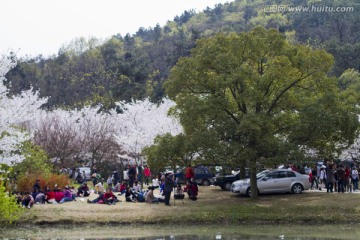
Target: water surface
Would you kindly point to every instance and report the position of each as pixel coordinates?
(183, 232)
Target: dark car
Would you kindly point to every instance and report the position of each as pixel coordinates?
(225, 181)
(202, 175)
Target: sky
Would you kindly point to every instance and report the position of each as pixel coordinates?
(33, 27)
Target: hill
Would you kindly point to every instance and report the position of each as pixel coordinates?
(136, 66)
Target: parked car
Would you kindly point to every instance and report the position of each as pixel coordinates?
(274, 181)
(81, 169)
(202, 175)
(225, 181)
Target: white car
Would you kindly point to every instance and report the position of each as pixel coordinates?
(274, 181)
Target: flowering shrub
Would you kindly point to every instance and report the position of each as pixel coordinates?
(27, 182)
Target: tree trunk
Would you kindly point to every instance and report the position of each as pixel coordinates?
(242, 170)
(253, 182)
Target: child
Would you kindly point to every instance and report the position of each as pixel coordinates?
(179, 193)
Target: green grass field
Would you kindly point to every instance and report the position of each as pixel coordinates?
(213, 206)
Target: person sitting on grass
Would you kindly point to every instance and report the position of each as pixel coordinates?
(105, 198)
(109, 197)
(137, 187)
(50, 196)
(83, 191)
(123, 188)
(40, 198)
(27, 200)
(130, 195)
(116, 188)
(192, 190)
(179, 193)
(18, 196)
(68, 197)
(35, 193)
(150, 198)
(99, 187)
(59, 195)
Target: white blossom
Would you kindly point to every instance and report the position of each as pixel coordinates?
(14, 112)
(142, 121)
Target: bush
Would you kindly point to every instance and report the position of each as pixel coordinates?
(9, 209)
(26, 183)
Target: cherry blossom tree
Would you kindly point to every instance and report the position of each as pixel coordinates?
(84, 136)
(14, 112)
(141, 122)
(353, 152)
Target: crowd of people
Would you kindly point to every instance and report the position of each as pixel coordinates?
(334, 178)
(130, 187)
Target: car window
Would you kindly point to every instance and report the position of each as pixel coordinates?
(281, 174)
(272, 175)
(262, 174)
(198, 171)
(291, 174)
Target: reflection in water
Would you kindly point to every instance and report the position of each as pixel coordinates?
(183, 232)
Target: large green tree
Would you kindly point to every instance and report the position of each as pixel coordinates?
(268, 98)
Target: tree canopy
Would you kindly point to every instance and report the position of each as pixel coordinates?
(260, 94)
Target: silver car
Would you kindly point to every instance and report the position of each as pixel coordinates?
(274, 181)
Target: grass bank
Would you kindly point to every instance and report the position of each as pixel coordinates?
(214, 206)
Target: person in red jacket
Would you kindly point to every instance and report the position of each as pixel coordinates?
(192, 190)
(59, 195)
(189, 173)
(147, 174)
(109, 197)
(50, 196)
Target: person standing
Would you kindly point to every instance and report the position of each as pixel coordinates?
(330, 178)
(147, 174)
(168, 187)
(355, 178)
(139, 171)
(132, 175)
(347, 182)
(36, 185)
(93, 175)
(115, 177)
(189, 173)
(314, 178)
(341, 179)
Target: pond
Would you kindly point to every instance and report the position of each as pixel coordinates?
(183, 232)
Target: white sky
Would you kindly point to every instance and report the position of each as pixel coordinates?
(32, 27)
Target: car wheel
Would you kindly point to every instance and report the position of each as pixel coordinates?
(297, 188)
(227, 186)
(248, 192)
(205, 182)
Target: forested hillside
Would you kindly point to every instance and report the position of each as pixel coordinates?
(136, 66)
